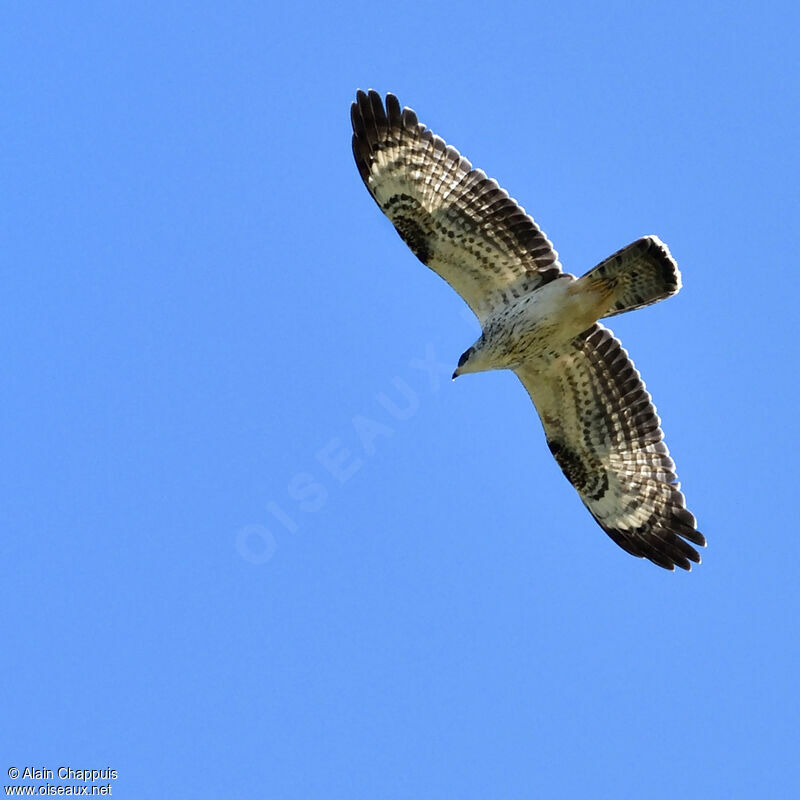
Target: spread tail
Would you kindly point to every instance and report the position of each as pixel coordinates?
(640, 274)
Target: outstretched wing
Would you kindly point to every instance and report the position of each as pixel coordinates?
(457, 221)
(604, 433)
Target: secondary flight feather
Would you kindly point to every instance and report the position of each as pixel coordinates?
(540, 322)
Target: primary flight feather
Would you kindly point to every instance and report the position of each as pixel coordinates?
(541, 323)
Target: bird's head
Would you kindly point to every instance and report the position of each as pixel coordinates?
(473, 359)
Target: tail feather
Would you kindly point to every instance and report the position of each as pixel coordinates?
(640, 274)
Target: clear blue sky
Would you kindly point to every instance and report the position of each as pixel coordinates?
(202, 306)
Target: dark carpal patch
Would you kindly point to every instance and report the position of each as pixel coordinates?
(405, 212)
(570, 463)
(413, 235)
(591, 483)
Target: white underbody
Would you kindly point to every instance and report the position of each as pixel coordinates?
(536, 326)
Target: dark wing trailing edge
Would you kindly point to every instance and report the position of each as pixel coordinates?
(604, 432)
(457, 221)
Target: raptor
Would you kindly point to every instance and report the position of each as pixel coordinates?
(540, 322)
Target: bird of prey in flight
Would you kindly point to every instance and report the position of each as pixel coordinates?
(540, 322)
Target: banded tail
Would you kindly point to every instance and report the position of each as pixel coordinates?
(638, 275)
